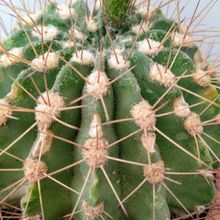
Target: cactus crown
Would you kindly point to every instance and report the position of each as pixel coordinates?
(106, 114)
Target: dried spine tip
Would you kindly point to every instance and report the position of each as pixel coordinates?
(48, 32)
(49, 61)
(200, 60)
(96, 127)
(149, 47)
(64, 11)
(193, 124)
(144, 115)
(182, 40)
(181, 107)
(117, 60)
(162, 75)
(34, 170)
(202, 78)
(92, 212)
(91, 24)
(11, 57)
(13, 94)
(5, 111)
(46, 112)
(95, 152)
(43, 144)
(148, 140)
(84, 57)
(97, 85)
(154, 173)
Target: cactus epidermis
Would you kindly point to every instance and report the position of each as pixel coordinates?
(104, 119)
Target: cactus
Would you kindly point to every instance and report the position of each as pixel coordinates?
(106, 114)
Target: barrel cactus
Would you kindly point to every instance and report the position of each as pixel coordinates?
(106, 114)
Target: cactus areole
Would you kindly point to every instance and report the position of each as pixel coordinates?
(105, 114)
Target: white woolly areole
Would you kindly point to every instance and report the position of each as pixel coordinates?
(49, 61)
(181, 107)
(36, 217)
(12, 57)
(148, 140)
(30, 19)
(49, 32)
(5, 111)
(66, 44)
(45, 112)
(92, 25)
(95, 130)
(98, 84)
(140, 28)
(92, 212)
(95, 152)
(43, 144)
(162, 75)
(84, 57)
(118, 62)
(202, 78)
(154, 172)
(182, 40)
(144, 115)
(143, 10)
(75, 34)
(34, 170)
(193, 124)
(149, 47)
(64, 11)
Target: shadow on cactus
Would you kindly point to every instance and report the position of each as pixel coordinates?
(106, 114)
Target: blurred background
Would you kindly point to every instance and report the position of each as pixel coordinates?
(207, 21)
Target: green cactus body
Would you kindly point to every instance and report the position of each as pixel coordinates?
(109, 114)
